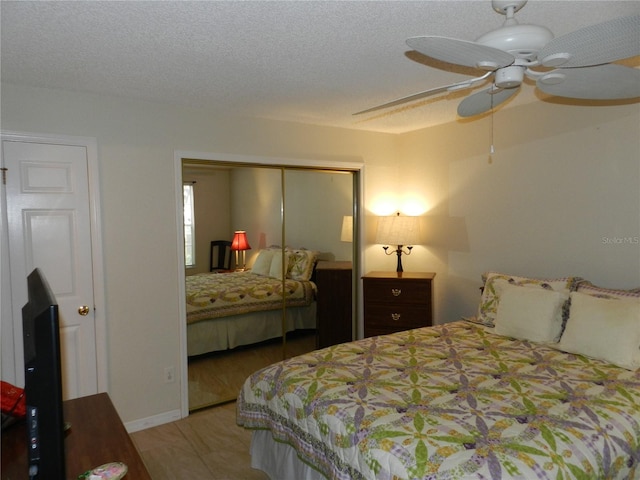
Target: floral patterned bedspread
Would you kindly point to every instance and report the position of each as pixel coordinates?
(452, 401)
(213, 295)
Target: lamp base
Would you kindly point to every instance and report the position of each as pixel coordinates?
(399, 253)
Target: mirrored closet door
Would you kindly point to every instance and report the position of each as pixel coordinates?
(263, 308)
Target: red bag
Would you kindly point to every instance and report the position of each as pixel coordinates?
(13, 401)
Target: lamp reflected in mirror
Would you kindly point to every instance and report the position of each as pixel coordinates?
(240, 244)
(400, 231)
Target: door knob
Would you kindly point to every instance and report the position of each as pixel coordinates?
(83, 310)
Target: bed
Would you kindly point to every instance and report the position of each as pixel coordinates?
(543, 383)
(228, 310)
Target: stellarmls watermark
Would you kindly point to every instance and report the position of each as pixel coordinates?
(621, 240)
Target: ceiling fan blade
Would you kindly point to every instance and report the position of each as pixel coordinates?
(484, 101)
(416, 96)
(461, 52)
(594, 45)
(602, 82)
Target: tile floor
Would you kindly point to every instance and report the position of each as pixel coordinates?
(206, 445)
(218, 377)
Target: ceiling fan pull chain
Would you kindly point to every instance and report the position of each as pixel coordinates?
(492, 149)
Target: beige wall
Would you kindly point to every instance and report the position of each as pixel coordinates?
(563, 181)
(315, 203)
(256, 207)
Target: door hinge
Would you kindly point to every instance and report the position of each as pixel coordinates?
(4, 175)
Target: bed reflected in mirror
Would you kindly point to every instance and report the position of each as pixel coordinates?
(236, 317)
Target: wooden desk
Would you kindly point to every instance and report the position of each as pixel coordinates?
(97, 436)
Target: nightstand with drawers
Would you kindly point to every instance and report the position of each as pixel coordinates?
(396, 301)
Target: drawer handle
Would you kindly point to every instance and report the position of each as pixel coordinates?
(396, 292)
(395, 317)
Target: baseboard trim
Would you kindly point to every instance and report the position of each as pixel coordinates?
(153, 421)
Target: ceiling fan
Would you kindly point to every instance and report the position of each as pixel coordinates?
(575, 65)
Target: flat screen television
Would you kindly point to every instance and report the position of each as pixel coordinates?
(43, 381)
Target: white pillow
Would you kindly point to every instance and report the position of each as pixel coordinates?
(275, 270)
(495, 282)
(262, 265)
(603, 328)
(530, 313)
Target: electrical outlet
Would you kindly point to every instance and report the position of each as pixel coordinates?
(169, 375)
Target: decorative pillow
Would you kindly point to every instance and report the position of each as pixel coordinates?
(275, 270)
(604, 328)
(590, 289)
(530, 313)
(262, 265)
(301, 263)
(495, 282)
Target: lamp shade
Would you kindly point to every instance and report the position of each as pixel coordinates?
(347, 229)
(240, 241)
(397, 230)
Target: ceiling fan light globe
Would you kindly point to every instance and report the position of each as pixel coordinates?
(509, 77)
(521, 41)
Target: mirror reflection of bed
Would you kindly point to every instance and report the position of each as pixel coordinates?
(235, 319)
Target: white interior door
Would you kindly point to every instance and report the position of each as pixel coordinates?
(49, 227)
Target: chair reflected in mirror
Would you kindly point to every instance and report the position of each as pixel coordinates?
(220, 256)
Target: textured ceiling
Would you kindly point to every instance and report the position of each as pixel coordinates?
(304, 61)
